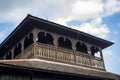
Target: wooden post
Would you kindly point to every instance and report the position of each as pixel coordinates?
(34, 39)
(55, 42)
(12, 51)
(74, 48)
(101, 54)
(89, 52)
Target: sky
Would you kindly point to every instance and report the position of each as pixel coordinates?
(100, 18)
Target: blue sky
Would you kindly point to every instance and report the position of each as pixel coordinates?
(96, 17)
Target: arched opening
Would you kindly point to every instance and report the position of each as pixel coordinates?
(95, 52)
(31, 38)
(68, 43)
(81, 47)
(46, 39)
(9, 55)
(41, 37)
(17, 50)
(61, 42)
(98, 53)
(28, 41)
(49, 39)
(65, 43)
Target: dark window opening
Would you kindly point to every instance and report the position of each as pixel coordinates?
(65, 43)
(28, 41)
(92, 51)
(17, 50)
(46, 39)
(81, 47)
(98, 54)
(49, 39)
(95, 52)
(31, 39)
(9, 55)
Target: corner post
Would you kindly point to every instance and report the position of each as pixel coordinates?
(102, 58)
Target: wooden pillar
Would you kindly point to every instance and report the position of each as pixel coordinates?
(101, 54)
(12, 52)
(55, 42)
(35, 33)
(89, 52)
(88, 49)
(74, 49)
(22, 45)
(4, 57)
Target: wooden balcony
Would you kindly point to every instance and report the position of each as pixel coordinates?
(50, 52)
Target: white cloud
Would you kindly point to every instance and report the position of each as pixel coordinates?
(81, 10)
(95, 27)
(61, 21)
(111, 7)
(69, 10)
(85, 9)
(107, 53)
(63, 11)
(15, 11)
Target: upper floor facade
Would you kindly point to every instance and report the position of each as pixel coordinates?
(36, 38)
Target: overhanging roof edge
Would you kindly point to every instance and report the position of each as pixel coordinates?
(73, 30)
(13, 32)
(57, 25)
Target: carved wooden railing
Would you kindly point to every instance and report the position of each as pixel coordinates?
(46, 51)
(26, 53)
(82, 59)
(97, 62)
(85, 59)
(65, 55)
(49, 51)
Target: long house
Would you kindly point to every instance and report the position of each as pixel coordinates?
(39, 49)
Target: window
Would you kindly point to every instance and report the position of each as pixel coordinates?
(95, 52)
(46, 39)
(28, 41)
(17, 50)
(64, 42)
(81, 47)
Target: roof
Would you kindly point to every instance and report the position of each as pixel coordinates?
(37, 64)
(31, 22)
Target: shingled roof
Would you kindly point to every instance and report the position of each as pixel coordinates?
(31, 22)
(37, 64)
